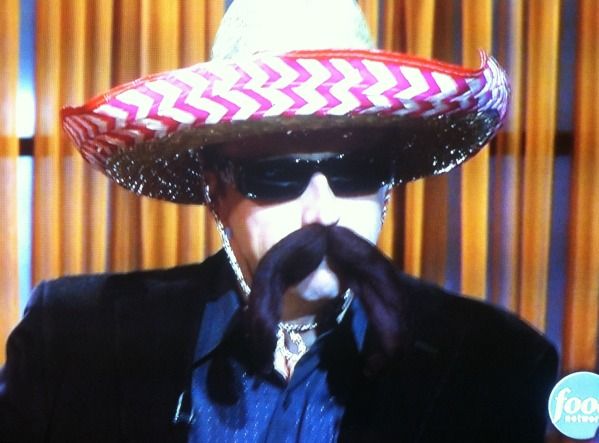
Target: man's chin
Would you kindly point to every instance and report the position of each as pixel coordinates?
(321, 284)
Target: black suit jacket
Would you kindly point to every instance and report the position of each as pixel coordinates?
(104, 359)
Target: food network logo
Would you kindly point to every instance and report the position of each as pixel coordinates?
(574, 405)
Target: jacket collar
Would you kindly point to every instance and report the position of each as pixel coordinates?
(216, 318)
(157, 317)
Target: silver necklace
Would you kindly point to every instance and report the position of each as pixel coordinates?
(294, 331)
(295, 327)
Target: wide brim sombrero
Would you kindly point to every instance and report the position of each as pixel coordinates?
(148, 135)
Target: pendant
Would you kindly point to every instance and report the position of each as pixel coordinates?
(290, 358)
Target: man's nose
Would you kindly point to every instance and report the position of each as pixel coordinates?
(320, 205)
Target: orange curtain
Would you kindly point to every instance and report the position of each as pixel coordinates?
(501, 242)
(508, 261)
(419, 24)
(477, 30)
(81, 222)
(506, 192)
(582, 291)
(540, 128)
(9, 151)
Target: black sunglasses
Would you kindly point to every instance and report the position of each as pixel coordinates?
(286, 178)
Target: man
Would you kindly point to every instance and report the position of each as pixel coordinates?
(300, 329)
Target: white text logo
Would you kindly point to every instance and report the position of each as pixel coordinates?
(574, 405)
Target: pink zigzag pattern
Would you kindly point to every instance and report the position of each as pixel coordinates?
(219, 92)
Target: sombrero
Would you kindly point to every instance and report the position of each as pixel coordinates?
(283, 78)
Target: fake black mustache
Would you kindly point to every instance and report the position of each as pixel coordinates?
(365, 270)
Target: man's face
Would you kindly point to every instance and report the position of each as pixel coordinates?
(255, 225)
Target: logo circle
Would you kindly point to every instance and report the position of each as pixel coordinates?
(574, 405)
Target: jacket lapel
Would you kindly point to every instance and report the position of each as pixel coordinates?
(396, 402)
(157, 316)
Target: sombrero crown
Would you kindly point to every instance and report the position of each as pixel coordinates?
(282, 69)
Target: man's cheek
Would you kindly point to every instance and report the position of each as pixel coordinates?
(363, 221)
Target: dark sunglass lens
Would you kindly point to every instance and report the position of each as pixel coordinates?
(355, 175)
(286, 178)
(271, 179)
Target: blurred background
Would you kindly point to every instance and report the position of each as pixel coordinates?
(517, 226)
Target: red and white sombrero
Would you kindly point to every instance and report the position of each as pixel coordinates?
(148, 134)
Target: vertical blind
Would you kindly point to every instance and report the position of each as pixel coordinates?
(9, 152)
(488, 226)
